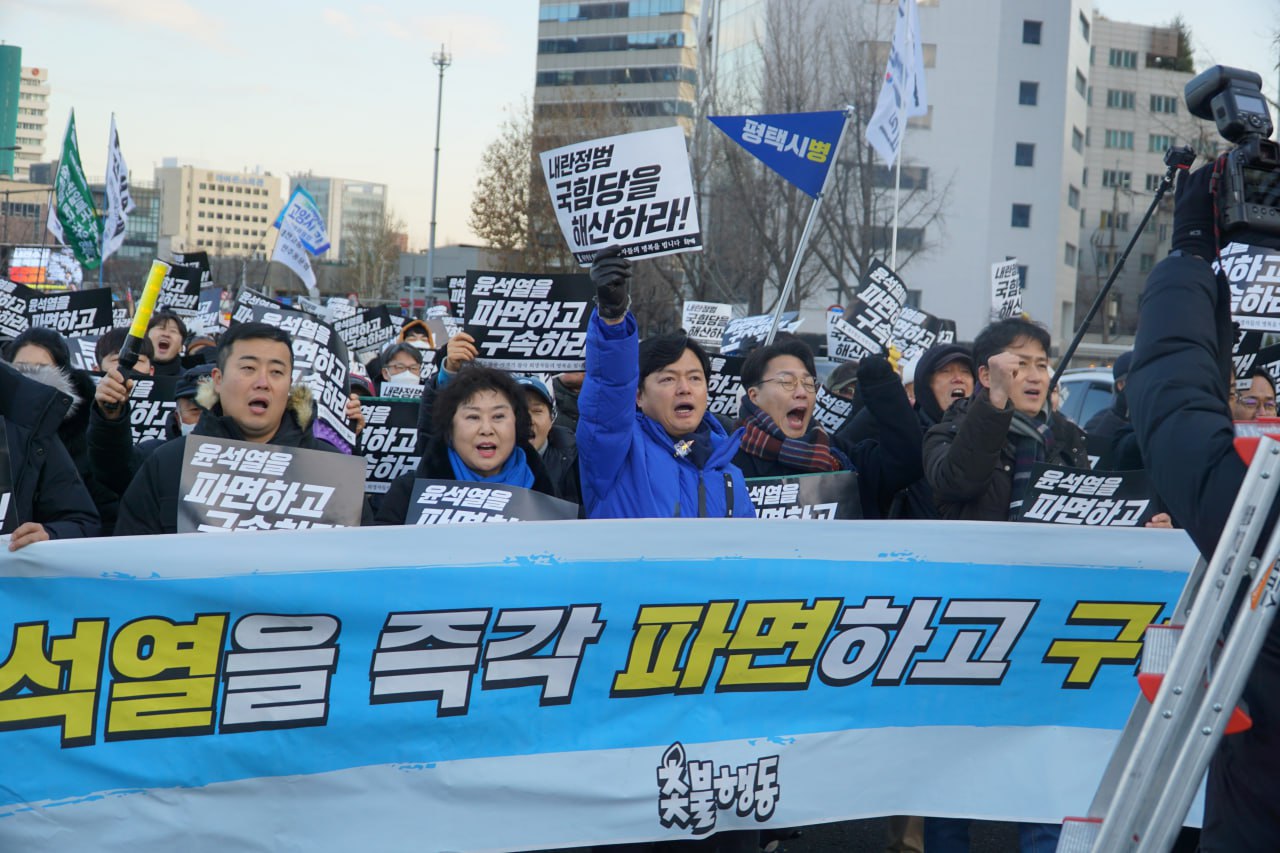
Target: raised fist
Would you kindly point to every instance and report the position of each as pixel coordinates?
(611, 275)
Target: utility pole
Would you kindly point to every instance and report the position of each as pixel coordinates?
(440, 60)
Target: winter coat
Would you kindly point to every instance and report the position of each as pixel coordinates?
(560, 457)
(1102, 431)
(45, 486)
(566, 405)
(150, 504)
(435, 465)
(627, 462)
(969, 458)
(1177, 393)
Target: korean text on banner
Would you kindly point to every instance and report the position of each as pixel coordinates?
(548, 684)
(435, 502)
(1061, 495)
(705, 322)
(529, 323)
(743, 333)
(388, 441)
(903, 93)
(632, 191)
(814, 496)
(798, 146)
(1253, 272)
(73, 219)
(1006, 289)
(119, 202)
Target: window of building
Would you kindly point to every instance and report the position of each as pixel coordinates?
(1031, 32)
(1084, 178)
(1120, 139)
(1069, 255)
(1081, 225)
(1153, 182)
(1021, 217)
(1088, 136)
(1024, 154)
(1084, 26)
(1077, 139)
(1164, 104)
(1120, 99)
(1108, 219)
(1081, 82)
(594, 44)
(1117, 58)
(910, 239)
(1116, 178)
(913, 177)
(1073, 198)
(1028, 93)
(1159, 142)
(1146, 262)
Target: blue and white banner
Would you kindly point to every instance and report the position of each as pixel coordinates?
(798, 146)
(302, 217)
(903, 94)
(545, 685)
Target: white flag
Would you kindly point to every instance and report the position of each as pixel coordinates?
(301, 231)
(119, 203)
(903, 94)
(290, 252)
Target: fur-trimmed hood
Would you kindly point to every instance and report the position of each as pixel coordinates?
(57, 379)
(301, 402)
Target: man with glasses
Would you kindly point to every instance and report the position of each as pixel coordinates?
(1253, 397)
(402, 365)
(780, 438)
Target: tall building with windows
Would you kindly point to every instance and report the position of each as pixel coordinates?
(24, 113)
(632, 60)
(1136, 113)
(224, 213)
(352, 210)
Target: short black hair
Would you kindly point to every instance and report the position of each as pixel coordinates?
(758, 361)
(163, 314)
(395, 349)
(662, 350)
(252, 332)
(49, 340)
(471, 380)
(1259, 371)
(1000, 335)
(113, 341)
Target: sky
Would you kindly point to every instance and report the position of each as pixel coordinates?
(348, 89)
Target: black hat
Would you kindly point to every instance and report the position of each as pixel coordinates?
(1120, 369)
(190, 380)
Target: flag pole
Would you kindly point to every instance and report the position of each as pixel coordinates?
(804, 235)
(897, 190)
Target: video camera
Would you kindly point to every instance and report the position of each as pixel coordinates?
(1248, 190)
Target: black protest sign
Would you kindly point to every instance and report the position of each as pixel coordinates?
(339, 308)
(528, 323)
(393, 391)
(456, 502)
(248, 299)
(231, 485)
(208, 316)
(1253, 273)
(387, 442)
(746, 333)
(151, 401)
(1251, 351)
(82, 312)
(366, 330)
(877, 304)
(915, 331)
(319, 361)
(724, 385)
(845, 343)
(831, 411)
(180, 291)
(817, 496)
(6, 482)
(84, 353)
(1060, 495)
(458, 295)
(311, 306)
(197, 260)
(120, 318)
(13, 307)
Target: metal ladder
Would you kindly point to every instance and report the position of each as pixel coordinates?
(1164, 750)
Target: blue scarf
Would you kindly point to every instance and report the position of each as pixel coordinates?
(515, 471)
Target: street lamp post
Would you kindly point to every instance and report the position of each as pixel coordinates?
(440, 60)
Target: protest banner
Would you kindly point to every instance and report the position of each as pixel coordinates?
(436, 502)
(230, 485)
(388, 441)
(319, 360)
(457, 295)
(1061, 495)
(814, 496)
(527, 323)
(13, 307)
(151, 402)
(44, 266)
(82, 312)
(1253, 273)
(831, 411)
(876, 305)
(1006, 290)
(208, 317)
(845, 343)
(705, 322)
(312, 306)
(724, 386)
(339, 308)
(745, 333)
(121, 318)
(633, 191)
(392, 391)
(180, 291)
(248, 299)
(526, 688)
(798, 146)
(84, 353)
(198, 260)
(366, 329)
(915, 331)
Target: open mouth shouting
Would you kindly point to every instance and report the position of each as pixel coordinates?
(259, 404)
(957, 393)
(795, 418)
(486, 449)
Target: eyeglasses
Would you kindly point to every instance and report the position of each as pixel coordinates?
(1254, 402)
(396, 369)
(788, 382)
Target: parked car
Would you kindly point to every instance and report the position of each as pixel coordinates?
(1085, 391)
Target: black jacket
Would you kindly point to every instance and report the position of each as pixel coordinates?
(1177, 392)
(566, 405)
(1103, 429)
(150, 504)
(45, 486)
(560, 458)
(885, 464)
(969, 458)
(435, 466)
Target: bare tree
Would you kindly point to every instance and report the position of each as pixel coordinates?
(372, 256)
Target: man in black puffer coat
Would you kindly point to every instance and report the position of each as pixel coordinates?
(1177, 396)
(47, 500)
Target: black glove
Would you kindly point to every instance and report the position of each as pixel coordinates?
(611, 275)
(1193, 224)
(875, 369)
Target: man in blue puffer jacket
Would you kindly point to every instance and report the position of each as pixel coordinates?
(670, 458)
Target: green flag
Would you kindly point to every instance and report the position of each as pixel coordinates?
(74, 221)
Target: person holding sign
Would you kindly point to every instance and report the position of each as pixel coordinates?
(167, 331)
(250, 397)
(670, 458)
(480, 433)
(780, 438)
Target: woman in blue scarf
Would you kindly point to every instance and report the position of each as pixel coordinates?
(481, 431)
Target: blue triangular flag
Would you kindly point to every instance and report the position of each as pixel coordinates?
(798, 146)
